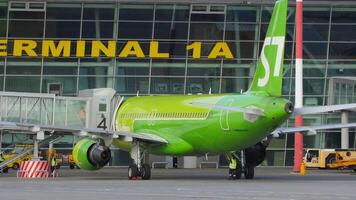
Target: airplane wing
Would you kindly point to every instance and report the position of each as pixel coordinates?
(146, 137)
(252, 111)
(323, 109)
(310, 130)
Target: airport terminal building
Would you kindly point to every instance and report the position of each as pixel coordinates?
(158, 47)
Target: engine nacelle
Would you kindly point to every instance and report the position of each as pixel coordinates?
(88, 154)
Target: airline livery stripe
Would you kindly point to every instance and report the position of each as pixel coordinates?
(163, 116)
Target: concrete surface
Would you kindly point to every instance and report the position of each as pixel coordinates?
(111, 183)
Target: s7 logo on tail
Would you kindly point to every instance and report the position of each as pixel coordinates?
(279, 41)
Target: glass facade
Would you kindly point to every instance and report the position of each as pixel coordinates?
(329, 51)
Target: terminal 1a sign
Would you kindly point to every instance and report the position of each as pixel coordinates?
(97, 48)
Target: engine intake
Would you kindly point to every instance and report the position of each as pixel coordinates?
(99, 155)
(88, 154)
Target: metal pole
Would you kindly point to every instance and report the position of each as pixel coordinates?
(1, 139)
(298, 137)
(35, 148)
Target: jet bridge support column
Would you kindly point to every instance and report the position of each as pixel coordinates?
(344, 131)
(36, 138)
(35, 149)
(1, 133)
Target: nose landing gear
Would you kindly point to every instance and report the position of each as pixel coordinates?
(138, 169)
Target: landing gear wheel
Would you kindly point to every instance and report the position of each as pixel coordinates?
(146, 172)
(249, 171)
(16, 166)
(133, 172)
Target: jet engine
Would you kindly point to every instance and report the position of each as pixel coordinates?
(89, 154)
(255, 154)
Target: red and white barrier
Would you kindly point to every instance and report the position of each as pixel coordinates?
(34, 169)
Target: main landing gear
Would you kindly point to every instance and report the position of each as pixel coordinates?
(237, 166)
(137, 169)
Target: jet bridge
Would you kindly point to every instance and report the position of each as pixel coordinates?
(88, 110)
(91, 109)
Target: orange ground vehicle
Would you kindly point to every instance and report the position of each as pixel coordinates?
(330, 158)
(344, 159)
(71, 162)
(62, 159)
(319, 158)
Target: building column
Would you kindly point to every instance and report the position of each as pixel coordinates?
(344, 131)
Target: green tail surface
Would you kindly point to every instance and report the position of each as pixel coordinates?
(269, 72)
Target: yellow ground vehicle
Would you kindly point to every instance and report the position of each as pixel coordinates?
(62, 159)
(319, 158)
(71, 162)
(18, 149)
(330, 158)
(345, 159)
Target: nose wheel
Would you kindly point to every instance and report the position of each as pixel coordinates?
(138, 169)
(133, 172)
(146, 172)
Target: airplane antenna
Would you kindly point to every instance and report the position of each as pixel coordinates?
(209, 90)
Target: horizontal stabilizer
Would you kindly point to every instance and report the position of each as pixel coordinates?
(311, 130)
(252, 111)
(323, 109)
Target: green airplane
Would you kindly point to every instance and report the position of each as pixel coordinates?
(200, 124)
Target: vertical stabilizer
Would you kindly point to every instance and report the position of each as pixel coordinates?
(269, 72)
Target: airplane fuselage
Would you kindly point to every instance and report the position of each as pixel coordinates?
(192, 129)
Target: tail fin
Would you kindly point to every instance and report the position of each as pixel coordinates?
(268, 76)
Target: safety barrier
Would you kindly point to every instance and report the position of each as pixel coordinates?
(33, 169)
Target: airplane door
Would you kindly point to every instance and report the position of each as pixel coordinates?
(224, 117)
